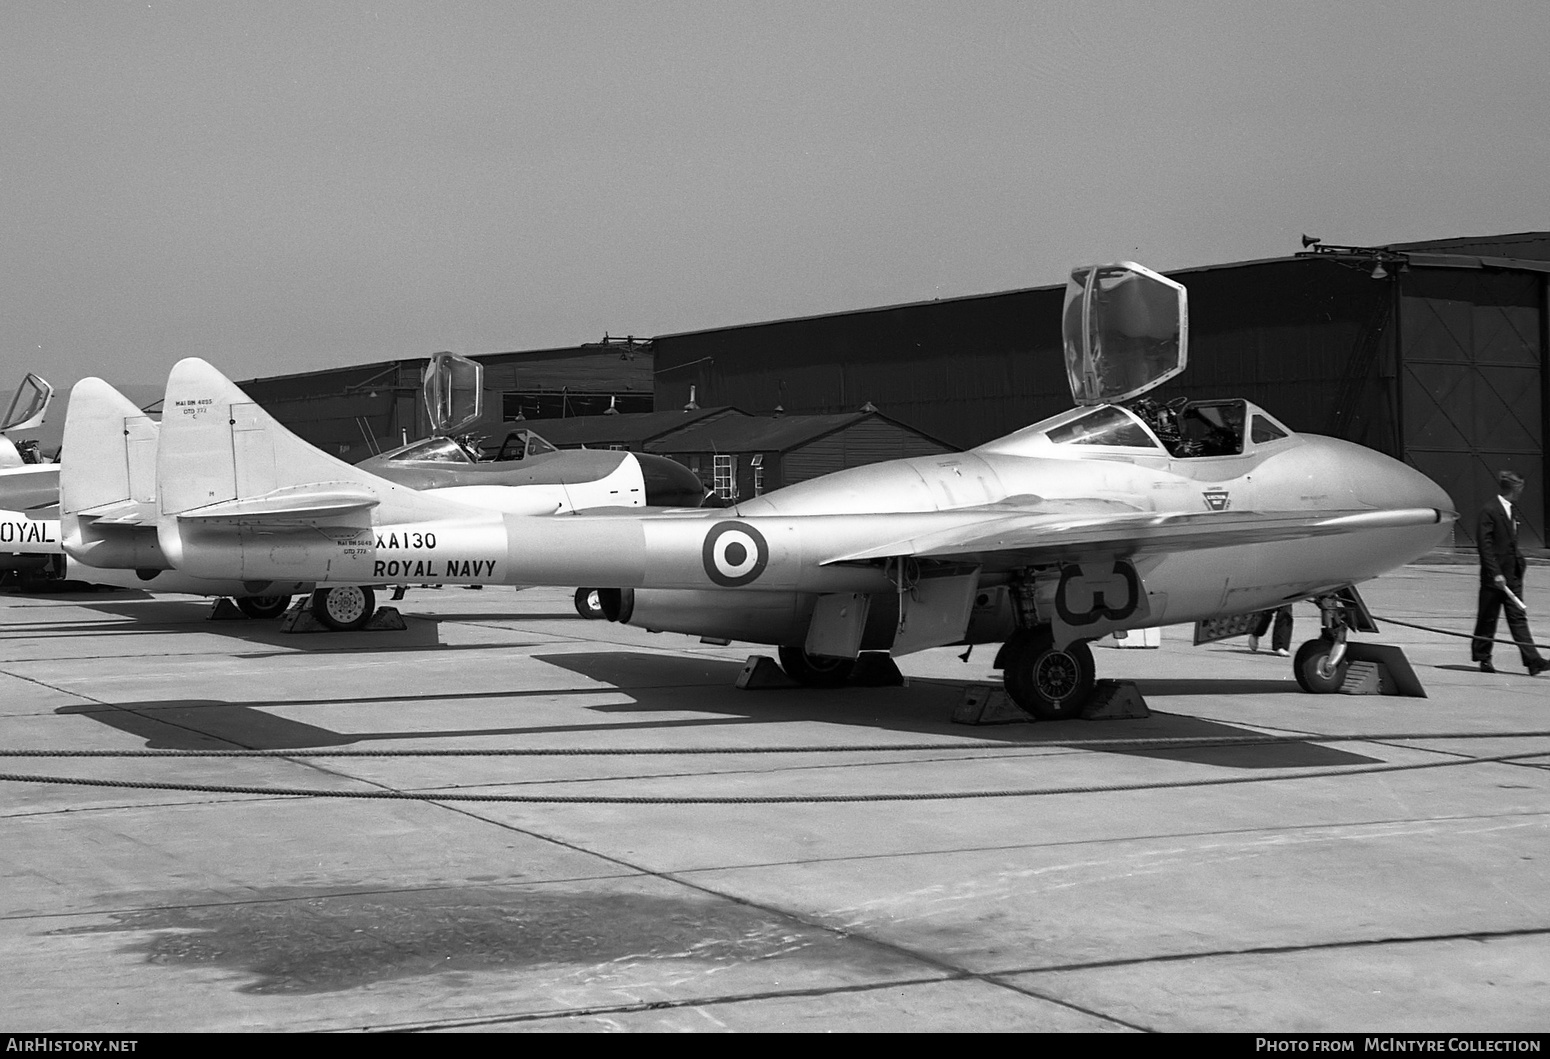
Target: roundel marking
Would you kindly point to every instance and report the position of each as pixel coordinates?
(734, 554)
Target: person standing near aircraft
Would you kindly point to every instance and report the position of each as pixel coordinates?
(1501, 579)
(1281, 638)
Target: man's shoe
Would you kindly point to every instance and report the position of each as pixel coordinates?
(1253, 642)
(1536, 668)
(1487, 667)
(1282, 652)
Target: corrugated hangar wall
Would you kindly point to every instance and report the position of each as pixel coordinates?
(357, 411)
(971, 369)
(1443, 367)
(952, 369)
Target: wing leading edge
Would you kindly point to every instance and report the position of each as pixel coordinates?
(1034, 538)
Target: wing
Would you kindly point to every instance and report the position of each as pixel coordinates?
(1030, 539)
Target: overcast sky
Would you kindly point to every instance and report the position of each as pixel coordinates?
(282, 187)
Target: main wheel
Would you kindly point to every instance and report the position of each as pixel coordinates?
(345, 607)
(1312, 669)
(589, 604)
(1049, 683)
(263, 607)
(816, 671)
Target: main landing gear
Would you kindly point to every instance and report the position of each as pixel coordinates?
(816, 671)
(1051, 683)
(263, 608)
(589, 603)
(344, 608)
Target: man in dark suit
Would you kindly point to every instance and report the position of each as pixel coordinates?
(1501, 573)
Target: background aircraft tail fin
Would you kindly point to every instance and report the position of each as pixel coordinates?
(109, 462)
(107, 480)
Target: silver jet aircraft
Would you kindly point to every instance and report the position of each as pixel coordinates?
(106, 498)
(1100, 519)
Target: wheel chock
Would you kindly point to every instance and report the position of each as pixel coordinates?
(299, 618)
(387, 619)
(761, 672)
(1380, 669)
(988, 704)
(1366, 678)
(226, 610)
(876, 669)
(1114, 700)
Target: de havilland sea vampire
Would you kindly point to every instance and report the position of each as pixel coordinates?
(109, 502)
(1100, 519)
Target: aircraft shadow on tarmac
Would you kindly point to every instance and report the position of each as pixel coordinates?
(925, 707)
(660, 684)
(171, 614)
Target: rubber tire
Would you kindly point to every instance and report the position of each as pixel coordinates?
(815, 671)
(262, 608)
(1305, 667)
(1051, 685)
(344, 608)
(589, 604)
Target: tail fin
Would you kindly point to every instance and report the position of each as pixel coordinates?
(109, 451)
(234, 484)
(222, 458)
(107, 480)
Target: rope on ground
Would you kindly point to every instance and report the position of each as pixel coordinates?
(1450, 632)
(774, 799)
(1142, 742)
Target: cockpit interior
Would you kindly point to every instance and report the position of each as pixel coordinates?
(519, 445)
(1184, 429)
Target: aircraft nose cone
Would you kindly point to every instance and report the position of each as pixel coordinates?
(669, 483)
(1384, 482)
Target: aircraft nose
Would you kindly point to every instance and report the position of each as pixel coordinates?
(1384, 482)
(669, 483)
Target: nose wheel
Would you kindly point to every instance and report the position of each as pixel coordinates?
(1318, 667)
(1051, 683)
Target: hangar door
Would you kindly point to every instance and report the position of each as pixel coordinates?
(1472, 387)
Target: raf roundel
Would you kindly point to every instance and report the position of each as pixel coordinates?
(735, 554)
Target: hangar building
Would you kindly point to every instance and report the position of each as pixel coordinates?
(738, 455)
(1434, 352)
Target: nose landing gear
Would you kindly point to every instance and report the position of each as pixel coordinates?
(1321, 665)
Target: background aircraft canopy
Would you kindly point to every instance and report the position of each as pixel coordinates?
(1126, 330)
(29, 404)
(27, 410)
(454, 392)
